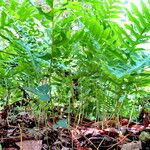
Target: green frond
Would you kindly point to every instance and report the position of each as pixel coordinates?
(145, 10)
(135, 22)
(3, 19)
(107, 10)
(25, 13)
(138, 28)
(139, 15)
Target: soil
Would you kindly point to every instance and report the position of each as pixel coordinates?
(24, 131)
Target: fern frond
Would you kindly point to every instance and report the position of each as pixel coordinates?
(25, 13)
(126, 70)
(97, 26)
(146, 9)
(107, 10)
(138, 28)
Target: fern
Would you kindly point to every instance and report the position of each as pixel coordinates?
(98, 28)
(138, 30)
(107, 10)
(100, 52)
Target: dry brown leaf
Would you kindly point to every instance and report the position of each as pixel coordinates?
(132, 146)
(30, 144)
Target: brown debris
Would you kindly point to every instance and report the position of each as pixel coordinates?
(21, 132)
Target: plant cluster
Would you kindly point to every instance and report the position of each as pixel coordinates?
(76, 53)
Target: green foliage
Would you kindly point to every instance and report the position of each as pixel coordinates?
(61, 123)
(41, 91)
(51, 43)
